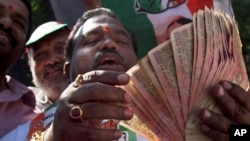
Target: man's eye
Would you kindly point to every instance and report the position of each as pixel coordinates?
(122, 41)
(40, 56)
(60, 49)
(20, 25)
(91, 42)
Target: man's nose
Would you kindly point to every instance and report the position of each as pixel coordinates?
(55, 58)
(5, 22)
(109, 44)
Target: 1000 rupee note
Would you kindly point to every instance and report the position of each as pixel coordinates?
(182, 44)
(162, 60)
(147, 91)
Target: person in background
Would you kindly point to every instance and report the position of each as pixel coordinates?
(46, 58)
(17, 102)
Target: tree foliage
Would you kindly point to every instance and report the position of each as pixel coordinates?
(42, 12)
(241, 11)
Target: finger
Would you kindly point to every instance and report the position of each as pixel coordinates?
(215, 121)
(99, 92)
(80, 133)
(107, 77)
(98, 110)
(238, 93)
(76, 131)
(213, 134)
(233, 110)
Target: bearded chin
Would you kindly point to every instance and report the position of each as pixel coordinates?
(52, 86)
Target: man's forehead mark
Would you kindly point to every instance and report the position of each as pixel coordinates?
(105, 28)
(10, 7)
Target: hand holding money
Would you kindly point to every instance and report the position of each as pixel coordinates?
(235, 106)
(170, 85)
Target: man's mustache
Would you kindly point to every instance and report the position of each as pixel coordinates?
(107, 51)
(56, 66)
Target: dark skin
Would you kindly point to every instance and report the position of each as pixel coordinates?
(97, 106)
(99, 54)
(235, 106)
(13, 29)
(99, 92)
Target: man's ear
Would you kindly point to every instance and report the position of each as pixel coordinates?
(29, 52)
(66, 68)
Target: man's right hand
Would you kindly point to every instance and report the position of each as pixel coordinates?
(99, 98)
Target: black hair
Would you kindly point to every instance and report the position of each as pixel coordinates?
(184, 20)
(27, 4)
(87, 15)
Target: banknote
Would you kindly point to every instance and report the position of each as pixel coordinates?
(170, 85)
(199, 56)
(147, 92)
(162, 60)
(182, 45)
(147, 66)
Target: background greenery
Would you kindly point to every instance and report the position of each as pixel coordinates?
(241, 11)
(42, 12)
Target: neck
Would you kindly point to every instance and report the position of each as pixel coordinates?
(5, 66)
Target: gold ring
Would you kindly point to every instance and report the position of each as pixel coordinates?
(78, 80)
(76, 112)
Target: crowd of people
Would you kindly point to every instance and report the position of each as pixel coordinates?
(76, 73)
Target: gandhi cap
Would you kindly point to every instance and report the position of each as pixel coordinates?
(44, 30)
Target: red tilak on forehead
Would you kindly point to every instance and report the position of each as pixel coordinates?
(105, 28)
(10, 7)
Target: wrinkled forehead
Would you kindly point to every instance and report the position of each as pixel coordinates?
(106, 23)
(98, 24)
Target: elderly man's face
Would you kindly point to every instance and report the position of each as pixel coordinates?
(102, 43)
(47, 58)
(13, 27)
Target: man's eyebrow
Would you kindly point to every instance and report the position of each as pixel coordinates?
(59, 43)
(121, 32)
(93, 31)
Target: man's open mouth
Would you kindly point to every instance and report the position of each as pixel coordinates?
(110, 61)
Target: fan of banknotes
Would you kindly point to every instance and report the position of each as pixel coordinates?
(170, 84)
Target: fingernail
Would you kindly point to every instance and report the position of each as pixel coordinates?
(226, 85)
(207, 114)
(118, 134)
(128, 113)
(220, 92)
(123, 77)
